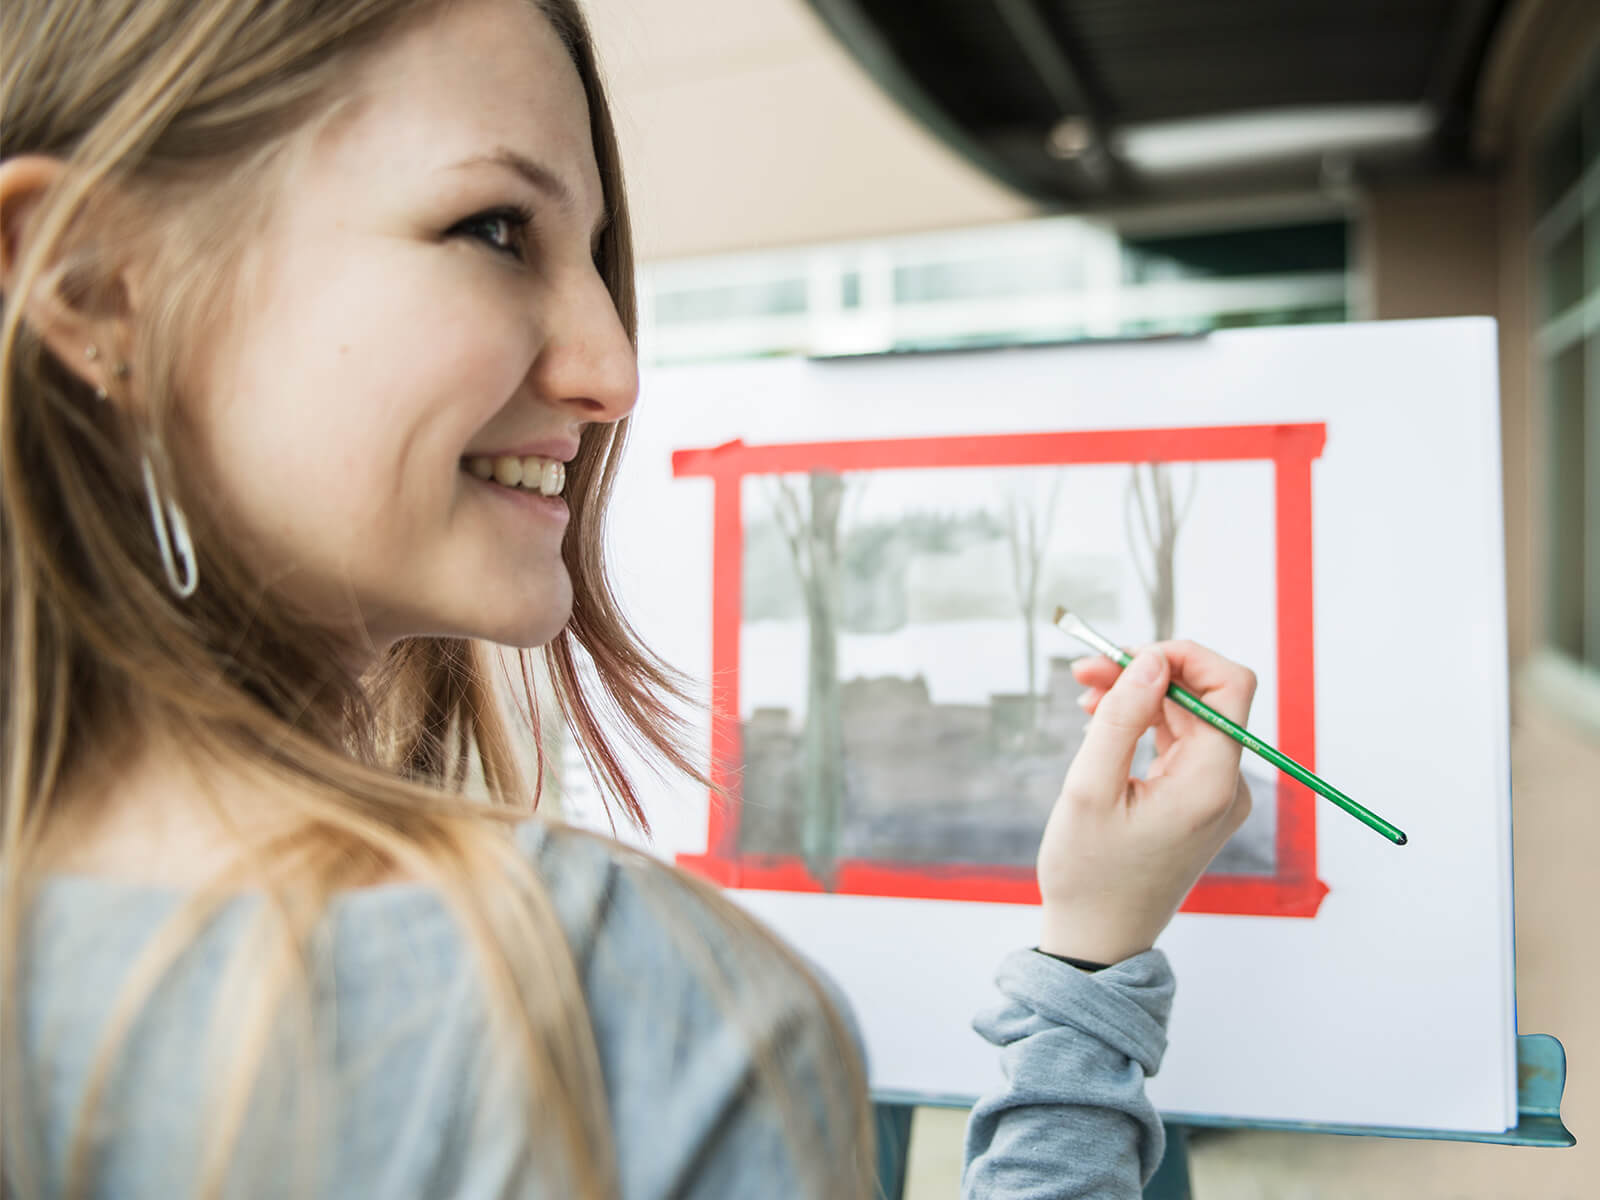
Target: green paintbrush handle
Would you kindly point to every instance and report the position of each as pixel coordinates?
(1276, 757)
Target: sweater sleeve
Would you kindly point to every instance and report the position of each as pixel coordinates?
(1072, 1119)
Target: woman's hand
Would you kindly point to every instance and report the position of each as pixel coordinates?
(1120, 854)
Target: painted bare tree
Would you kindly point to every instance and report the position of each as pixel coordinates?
(1030, 513)
(810, 522)
(1154, 516)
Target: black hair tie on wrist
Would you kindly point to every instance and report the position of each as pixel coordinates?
(1082, 964)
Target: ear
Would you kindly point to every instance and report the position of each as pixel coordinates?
(76, 305)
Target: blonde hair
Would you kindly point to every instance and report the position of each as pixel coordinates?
(181, 108)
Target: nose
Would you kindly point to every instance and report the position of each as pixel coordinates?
(587, 363)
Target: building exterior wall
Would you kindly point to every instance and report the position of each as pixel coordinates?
(1438, 249)
(1429, 248)
(1460, 247)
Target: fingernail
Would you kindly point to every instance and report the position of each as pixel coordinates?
(1146, 667)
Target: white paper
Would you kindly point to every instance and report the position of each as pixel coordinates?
(1393, 1005)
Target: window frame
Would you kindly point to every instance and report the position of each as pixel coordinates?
(1568, 682)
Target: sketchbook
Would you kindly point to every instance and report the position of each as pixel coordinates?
(859, 559)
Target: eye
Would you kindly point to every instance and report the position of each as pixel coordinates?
(501, 229)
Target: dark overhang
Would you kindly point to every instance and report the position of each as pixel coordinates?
(1094, 103)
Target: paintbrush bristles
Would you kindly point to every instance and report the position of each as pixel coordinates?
(1075, 626)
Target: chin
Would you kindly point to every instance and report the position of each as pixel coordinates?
(535, 624)
(528, 638)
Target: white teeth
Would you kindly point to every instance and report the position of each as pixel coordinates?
(508, 471)
(547, 476)
(553, 478)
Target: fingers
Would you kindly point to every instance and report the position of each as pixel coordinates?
(1096, 670)
(1243, 802)
(1170, 720)
(1225, 685)
(1099, 771)
(1220, 682)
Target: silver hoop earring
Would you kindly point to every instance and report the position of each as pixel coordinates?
(163, 516)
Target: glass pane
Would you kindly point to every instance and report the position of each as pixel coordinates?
(1568, 542)
(1591, 236)
(1277, 250)
(1055, 279)
(776, 298)
(1560, 160)
(1563, 273)
(1591, 532)
(850, 289)
(1591, 107)
(986, 278)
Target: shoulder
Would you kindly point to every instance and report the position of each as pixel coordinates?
(630, 916)
(709, 1028)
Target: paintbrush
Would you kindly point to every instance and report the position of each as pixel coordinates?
(1077, 627)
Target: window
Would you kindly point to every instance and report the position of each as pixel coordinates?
(1567, 249)
(1051, 280)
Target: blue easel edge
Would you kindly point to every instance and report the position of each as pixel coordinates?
(1541, 1080)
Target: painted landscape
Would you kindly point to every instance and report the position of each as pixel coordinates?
(905, 698)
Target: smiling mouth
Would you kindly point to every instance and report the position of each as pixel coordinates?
(545, 476)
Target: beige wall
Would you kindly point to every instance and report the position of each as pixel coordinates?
(1429, 249)
(744, 124)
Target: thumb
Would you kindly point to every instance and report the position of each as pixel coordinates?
(1131, 706)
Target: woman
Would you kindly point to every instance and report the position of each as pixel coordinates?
(317, 352)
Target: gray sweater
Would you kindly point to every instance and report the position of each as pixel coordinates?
(1070, 1121)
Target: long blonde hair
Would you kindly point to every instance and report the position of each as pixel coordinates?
(180, 108)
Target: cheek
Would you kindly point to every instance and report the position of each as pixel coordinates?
(364, 373)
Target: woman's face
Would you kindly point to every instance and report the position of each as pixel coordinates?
(424, 297)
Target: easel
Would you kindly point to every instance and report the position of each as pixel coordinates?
(1541, 1078)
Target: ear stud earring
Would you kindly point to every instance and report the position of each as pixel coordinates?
(120, 371)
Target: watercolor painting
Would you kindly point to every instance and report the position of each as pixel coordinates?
(952, 576)
(905, 709)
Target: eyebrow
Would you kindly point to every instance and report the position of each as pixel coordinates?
(538, 176)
